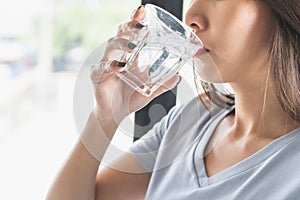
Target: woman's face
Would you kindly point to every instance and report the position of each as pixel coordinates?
(236, 33)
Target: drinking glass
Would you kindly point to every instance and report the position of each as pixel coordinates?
(163, 46)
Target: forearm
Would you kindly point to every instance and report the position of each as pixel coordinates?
(78, 175)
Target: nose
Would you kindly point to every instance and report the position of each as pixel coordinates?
(195, 17)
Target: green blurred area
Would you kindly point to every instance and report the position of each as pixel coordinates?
(87, 25)
(56, 35)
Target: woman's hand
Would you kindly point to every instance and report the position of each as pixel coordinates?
(114, 98)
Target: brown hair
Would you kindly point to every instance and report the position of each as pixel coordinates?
(285, 60)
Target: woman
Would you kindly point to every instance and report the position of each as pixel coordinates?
(250, 150)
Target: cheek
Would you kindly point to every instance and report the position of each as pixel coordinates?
(238, 32)
(244, 34)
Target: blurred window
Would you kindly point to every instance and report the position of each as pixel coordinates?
(42, 46)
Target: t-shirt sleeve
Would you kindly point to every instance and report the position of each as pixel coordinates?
(145, 149)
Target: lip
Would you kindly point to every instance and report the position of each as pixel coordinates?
(201, 51)
(206, 49)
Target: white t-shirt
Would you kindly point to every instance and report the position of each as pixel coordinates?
(173, 151)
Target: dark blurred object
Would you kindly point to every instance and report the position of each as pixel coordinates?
(173, 6)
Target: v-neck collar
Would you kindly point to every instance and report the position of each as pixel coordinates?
(247, 163)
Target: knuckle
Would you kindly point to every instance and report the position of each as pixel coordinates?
(97, 69)
(132, 23)
(122, 27)
(111, 40)
(92, 70)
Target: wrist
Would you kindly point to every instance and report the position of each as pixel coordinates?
(107, 126)
(96, 139)
(113, 117)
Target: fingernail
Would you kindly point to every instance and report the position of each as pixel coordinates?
(180, 78)
(140, 7)
(131, 45)
(139, 26)
(121, 64)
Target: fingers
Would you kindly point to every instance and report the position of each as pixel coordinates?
(133, 26)
(122, 44)
(97, 70)
(130, 28)
(139, 14)
(103, 70)
(117, 48)
(114, 59)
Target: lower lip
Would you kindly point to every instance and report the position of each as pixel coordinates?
(201, 52)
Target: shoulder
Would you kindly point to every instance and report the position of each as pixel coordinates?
(186, 124)
(174, 133)
(190, 114)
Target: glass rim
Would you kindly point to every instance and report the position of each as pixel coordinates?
(181, 23)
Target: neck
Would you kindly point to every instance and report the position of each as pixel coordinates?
(259, 113)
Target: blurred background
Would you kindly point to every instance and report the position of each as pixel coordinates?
(42, 46)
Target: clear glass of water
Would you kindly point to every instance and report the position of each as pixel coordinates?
(164, 45)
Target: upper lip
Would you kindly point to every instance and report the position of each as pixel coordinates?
(204, 46)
